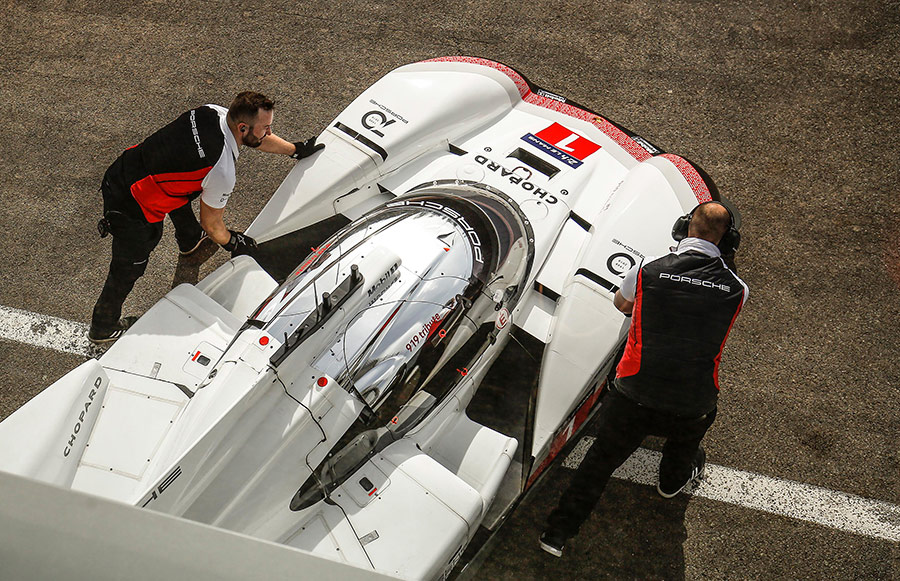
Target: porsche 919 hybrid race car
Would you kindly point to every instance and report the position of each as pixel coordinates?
(410, 378)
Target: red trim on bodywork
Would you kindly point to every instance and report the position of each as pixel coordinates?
(572, 426)
(701, 191)
(611, 131)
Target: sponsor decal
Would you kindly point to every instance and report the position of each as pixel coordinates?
(502, 319)
(563, 144)
(382, 284)
(316, 253)
(156, 492)
(693, 281)
(516, 179)
(87, 405)
(461, 220)
(424, 333)
(195, 133)
(375, 121)
(645, 144)
(396, 116)
(453, 561)
(549, 95)
(620, 263)
(627, 248)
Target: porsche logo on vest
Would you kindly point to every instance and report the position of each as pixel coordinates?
(694, 281)
(563, 144)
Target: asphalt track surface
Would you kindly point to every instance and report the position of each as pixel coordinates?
(793, 108)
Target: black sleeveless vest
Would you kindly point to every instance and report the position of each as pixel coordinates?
(164, 170)
(684, 307)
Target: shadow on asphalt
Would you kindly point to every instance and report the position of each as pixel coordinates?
(633, 533)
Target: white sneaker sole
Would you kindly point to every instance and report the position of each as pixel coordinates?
(196, 246)
(693, 480)
(551, 549)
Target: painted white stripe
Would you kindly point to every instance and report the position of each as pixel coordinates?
(837, 510)
(46, 331)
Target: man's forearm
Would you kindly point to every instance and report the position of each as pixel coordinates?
(622, 303)
(212, 223)
(274, 144)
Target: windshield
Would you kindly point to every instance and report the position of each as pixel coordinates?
(426, 259)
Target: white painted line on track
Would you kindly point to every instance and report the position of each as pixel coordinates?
(46, 331)
(837, 510)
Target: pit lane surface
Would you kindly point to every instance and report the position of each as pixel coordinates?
(793, 109)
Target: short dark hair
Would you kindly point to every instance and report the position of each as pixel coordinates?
(246, 105)
(710, 222)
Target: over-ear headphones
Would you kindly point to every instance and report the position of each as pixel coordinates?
(730, 241)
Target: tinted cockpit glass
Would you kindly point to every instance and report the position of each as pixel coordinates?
(442, 256)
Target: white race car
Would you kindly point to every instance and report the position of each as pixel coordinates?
(413, 376)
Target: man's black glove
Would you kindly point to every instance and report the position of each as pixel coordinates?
(239, 244)
(306, 148)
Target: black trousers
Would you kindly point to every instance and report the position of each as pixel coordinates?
(622, 426)
(134, 238)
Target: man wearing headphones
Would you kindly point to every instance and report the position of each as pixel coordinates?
(193, 156)
(683, 306)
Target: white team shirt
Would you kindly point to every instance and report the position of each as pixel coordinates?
(219, 182)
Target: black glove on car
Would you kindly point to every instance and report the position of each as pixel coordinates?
(239, 244)
(306, 148)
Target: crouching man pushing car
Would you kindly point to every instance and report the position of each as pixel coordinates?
(192, 156)
(683, 306)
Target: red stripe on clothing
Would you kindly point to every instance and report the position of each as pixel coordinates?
(722, 346)
(157, 195)
(154, 202)
(183, 176)
(631, 359)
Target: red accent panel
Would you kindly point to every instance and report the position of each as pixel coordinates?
(181, 176)
(630, 363)
(701, 191)
(568, 141)
(160, 194)
(154, 202)
(565, 434)
(613, 132)
(722, 346)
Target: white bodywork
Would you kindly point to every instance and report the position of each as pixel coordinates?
(200, 414)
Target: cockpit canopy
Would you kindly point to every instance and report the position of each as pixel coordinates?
(445, 253)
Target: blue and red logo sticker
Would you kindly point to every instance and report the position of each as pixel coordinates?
(563, 144)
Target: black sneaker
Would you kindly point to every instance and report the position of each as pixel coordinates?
(98, 336)
(697, 472)
(553, 542)
(186, 249)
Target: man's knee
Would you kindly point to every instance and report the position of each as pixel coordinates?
(125, 269)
